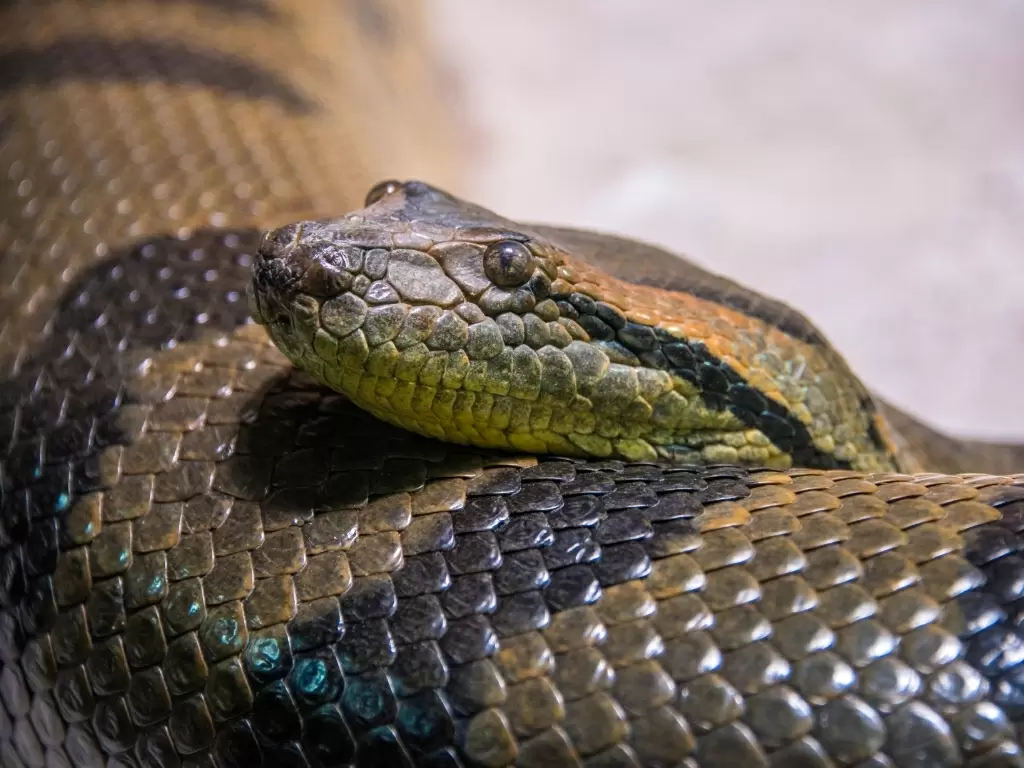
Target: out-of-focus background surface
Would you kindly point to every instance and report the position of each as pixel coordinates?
(863, 161)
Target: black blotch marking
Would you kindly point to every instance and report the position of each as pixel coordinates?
(722, 388)
(991, 615)
(145, 61)
(730, 391)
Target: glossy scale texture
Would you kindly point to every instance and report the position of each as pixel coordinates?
(206, 559)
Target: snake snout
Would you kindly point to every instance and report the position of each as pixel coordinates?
(268, 278)
(277, 242)
(276, 275)
(325, 277)
(277, 278)
(280, 264)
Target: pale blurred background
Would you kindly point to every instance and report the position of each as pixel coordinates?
(863, 161)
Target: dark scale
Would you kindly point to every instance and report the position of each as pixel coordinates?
(992, 620)
(572, 586)
(521, 572)
(484, 513)
(470, 595)
(571, 547)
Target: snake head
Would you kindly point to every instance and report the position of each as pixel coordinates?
(445, 318)
(416, 266)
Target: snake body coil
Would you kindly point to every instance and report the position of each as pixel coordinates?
(207, 558)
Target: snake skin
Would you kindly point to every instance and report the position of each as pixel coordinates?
(206, 559)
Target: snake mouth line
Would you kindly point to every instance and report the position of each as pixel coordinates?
(445, 319)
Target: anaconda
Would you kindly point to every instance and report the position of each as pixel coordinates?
(209, 558)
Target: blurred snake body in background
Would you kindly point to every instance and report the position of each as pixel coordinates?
(726, 554)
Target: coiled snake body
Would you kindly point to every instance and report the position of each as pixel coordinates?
(209, 558)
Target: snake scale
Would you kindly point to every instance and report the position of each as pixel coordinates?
(209, 558)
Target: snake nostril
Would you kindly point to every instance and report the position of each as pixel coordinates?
(325, 280)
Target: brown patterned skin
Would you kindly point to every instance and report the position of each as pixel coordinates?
(208, 559)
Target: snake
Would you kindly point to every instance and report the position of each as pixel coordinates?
(282, 485)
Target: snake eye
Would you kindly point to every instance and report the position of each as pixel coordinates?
(508, 263)
(382, 189)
